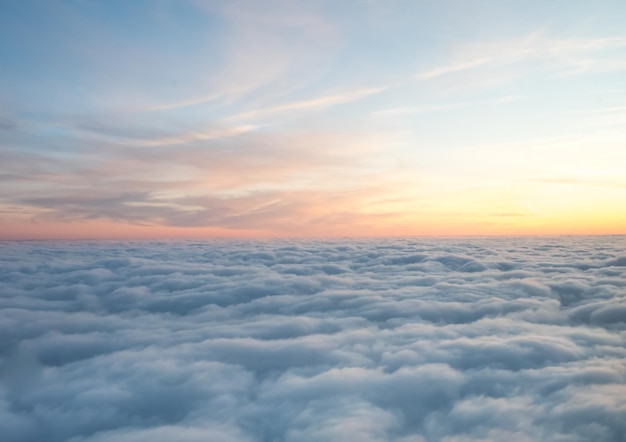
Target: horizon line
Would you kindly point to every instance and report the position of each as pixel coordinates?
(315, 238)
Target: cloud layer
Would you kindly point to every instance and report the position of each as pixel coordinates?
(400, 340)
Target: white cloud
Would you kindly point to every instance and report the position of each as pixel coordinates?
(379, 340)
(314, 103)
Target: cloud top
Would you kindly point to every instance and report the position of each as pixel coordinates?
(380, 340)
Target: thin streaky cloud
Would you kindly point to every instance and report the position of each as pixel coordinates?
(581, 180)
(397, 111)
(405, 110)
(189, 137)
(180, 104)
(455, 67)
(570, 52)
(315, 103)
(605, 110)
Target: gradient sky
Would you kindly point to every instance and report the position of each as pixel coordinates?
(174, 119)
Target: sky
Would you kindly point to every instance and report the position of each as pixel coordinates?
(185, 119)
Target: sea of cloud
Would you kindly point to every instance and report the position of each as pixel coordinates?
(407, 340)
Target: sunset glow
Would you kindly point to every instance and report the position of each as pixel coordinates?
(199, 119)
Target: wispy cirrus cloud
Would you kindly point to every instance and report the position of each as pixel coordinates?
(270, 180)
(455, 67)
(322, 102)
(560, 54)
(194, 101)
(189, 137)
(405, 110)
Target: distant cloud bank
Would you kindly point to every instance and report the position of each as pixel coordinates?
(381, 340)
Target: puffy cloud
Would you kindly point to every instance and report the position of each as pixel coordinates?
(398, 339)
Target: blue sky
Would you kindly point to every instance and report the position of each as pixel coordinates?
(205, 118)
